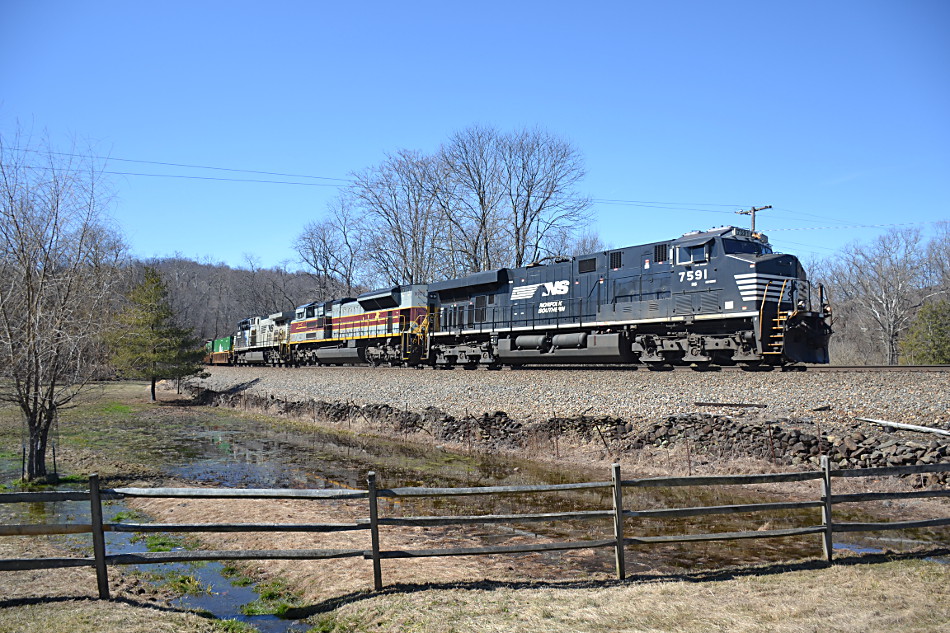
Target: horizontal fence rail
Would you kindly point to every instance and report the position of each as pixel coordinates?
(825, 527)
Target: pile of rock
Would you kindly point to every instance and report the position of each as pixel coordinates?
(783, 442)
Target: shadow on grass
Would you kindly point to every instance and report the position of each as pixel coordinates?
(143, 603)
(718, 575)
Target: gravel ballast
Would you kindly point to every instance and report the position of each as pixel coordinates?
(921, 398)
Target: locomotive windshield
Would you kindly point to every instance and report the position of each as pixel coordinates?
(740, 246)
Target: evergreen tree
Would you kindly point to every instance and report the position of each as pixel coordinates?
(928, 340)
(146, 343)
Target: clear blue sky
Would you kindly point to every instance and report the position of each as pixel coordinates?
(837, 113)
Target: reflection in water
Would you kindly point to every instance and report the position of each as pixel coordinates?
(239, 452)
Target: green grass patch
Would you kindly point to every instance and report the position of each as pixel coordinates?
(236, 576)
(276, 598)
(234, 626)
(159, 542)
(128, 515)
(180, 583)
(117, 408)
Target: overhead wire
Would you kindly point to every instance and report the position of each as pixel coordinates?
(188, 166)
(698, 207)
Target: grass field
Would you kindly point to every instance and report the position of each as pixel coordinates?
(858, 594)
(902, 595)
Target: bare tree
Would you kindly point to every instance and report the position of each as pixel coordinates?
(484, 201)
(881, 285)
(400, 217)
(938, 259)
(568, 242)
(334, 249)
(540, 173)
(468, 187)
(60, 275)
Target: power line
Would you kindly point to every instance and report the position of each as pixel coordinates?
(649, 202)
(187, 176)
(674, 206)
(257, 180)
(187, 166)
(849, 226)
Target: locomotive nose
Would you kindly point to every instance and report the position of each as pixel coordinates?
(780, 266)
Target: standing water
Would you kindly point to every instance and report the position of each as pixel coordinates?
(216, 448)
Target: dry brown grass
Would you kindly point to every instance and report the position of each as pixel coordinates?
(320, 580)
(92, 616)
(908, 595)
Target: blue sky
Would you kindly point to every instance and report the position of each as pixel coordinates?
(836, 113)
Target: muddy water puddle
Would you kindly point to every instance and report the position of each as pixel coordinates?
(217, 449)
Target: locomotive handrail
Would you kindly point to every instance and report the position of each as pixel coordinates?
(762, 315)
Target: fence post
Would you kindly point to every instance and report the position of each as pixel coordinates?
(618, 521)
(374, 531)
(98, 537)
(827, 542)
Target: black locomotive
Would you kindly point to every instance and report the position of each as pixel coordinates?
(719, 297)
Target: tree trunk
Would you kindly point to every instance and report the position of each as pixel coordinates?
(36, 453)
(154, 380)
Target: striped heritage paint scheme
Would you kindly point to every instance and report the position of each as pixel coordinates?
(755, 286)
(355, 326)
(310, 325)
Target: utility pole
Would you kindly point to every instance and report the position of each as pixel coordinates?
(752, 213)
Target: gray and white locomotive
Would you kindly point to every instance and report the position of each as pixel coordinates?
(719, 297)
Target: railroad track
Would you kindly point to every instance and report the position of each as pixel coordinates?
(843, 369)
(860, 368)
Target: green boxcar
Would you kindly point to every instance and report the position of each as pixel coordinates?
(222, 344)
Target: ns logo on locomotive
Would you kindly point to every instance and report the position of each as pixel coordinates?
(719, 297)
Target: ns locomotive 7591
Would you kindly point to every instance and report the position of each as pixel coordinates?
(719, 297)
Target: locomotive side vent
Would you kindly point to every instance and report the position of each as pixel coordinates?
(660, 253)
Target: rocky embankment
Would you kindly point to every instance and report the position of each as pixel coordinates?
(800, 416)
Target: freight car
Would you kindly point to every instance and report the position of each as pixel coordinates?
(219, 350)
(718, 297)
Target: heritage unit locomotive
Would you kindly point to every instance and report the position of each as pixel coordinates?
(719, 297)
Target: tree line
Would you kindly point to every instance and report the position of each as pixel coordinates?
(891, 298)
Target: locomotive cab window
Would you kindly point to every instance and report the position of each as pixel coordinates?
(739, 246)
(692, 254)
(587, 265)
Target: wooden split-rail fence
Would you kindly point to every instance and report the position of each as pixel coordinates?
(826, 528)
